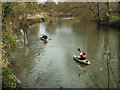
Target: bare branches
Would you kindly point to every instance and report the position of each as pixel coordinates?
(33, 6)
(93, 79)
(93, 12)
(108, 71)
(114, 77)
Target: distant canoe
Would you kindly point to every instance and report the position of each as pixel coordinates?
(44, 40)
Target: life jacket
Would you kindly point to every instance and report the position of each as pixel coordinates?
(43, 35)
(84, 56)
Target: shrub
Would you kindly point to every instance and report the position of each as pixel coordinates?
(107, 16)
(9, 41)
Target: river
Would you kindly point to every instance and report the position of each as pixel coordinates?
(51, 65)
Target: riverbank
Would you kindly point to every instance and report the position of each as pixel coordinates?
(9, 80)
(37, 20)
(115, 24)
(110, 19)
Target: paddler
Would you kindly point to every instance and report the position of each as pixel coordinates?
(44, 36)
(83, 56)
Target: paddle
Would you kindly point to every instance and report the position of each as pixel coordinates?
(79, 50)
(49, 39)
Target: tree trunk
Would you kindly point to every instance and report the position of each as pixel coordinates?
(24, 37)
(98, 12)
(27, 37)
(119, 11)
(119, 46)
(108, 7)
(93, 12)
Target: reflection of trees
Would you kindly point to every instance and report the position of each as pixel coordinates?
(26, 36)
(99, 42)
(30, 34)
(108, 53)
(106, 43)
(34, 33)
(24, 59)
(119, 59)
(119, 47)
(50, 28)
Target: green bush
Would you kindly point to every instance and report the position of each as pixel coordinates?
(7, 10)
(8, 40)
(45, 19)
(107, 16)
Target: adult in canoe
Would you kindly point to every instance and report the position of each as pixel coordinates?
(81, 58)
(44, 36)
(82, 55)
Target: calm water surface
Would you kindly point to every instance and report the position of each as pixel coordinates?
(52, 65)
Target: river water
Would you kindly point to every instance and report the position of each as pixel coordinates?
(51, 65)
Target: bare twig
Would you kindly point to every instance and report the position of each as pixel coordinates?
(93, 79)
(85, 82)
(114, 77)
(111, 84)
(108, 71)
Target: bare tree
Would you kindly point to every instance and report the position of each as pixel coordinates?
(108, 7)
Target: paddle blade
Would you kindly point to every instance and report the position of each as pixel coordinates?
(79, 49)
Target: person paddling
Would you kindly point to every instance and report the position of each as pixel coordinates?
(82, 55)
(44, 36)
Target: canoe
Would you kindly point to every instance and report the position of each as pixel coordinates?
(44, 40)
(81, 61)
